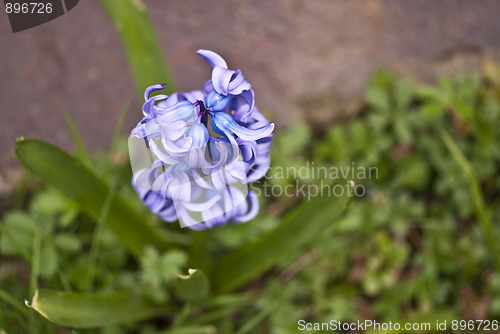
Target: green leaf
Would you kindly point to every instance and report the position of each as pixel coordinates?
(377, 98)
(87, 310)
(193, 286)
(51, 202)
(403, 92)
(67, 242)
(68, 175)
(141, 45)
(18, 229)
(299, 227)
(433, 110)
(49, 260)
(158, 270)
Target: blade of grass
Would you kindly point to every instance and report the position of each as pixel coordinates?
(118, 128)
(12, 301)
(477, 195)
(96, 238)
(297, 228)
(68, 175)
(250, 325)
(138, 37)
(81, 151)
(35, 273)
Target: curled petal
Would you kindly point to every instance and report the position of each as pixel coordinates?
(223, 123)
(150, 89)
(238, 84)
(245, 111)
(221, 78)
(202, 206)
(212, 58)
(149, 108)
(252, 212)
(178, 147)
(214, 216)
(200, 181)
(161, 154)
(259, 171)
(248, 150)
(237, 171)
(186, 219)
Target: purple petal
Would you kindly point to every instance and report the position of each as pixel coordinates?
(202, 206)
(173, 130)
(160, 154)
(213, 216)
(221, 78)
(244, 112)
(223, 123)
(200, 181)
(180, 187)
(212, 58)
(252, 212)
(186, 219)
(150, 109)
(259, 171)
(193, 96)
(151, 89)
(238, 84)
(208, 87)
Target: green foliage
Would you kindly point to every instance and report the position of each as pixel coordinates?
(254, 258)
(159, 270)
(419, 244)
(89, 191)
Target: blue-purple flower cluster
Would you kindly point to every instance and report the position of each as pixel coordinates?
(206, 147)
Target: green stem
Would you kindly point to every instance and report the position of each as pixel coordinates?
(182, 316)
(96, 238)
(198, 257)
(477, 195)
(34, 274)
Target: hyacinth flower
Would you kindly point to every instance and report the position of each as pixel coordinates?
(183, 172)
